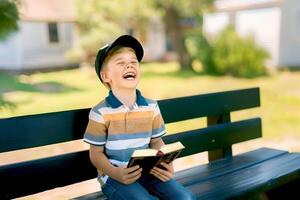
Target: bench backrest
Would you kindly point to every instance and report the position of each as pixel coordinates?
(50, 128)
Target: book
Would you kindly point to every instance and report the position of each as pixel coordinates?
(149, 158)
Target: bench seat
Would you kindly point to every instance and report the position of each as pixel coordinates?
(248, 182)
(239, 176)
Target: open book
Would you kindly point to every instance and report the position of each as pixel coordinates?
(149, 158)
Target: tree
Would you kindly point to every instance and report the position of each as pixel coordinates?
(176, 10)
(101, 21)
(8, 17)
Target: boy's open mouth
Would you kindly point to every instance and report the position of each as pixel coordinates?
(129, 76)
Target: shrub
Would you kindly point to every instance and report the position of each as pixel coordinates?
(228, 53)
(201, 50)
(238, 56)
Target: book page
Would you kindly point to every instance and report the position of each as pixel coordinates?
(144, 152)
(171, 147)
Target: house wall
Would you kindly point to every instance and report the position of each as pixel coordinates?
(38, 52)
(263, 24)
(155, 44)
(11, 52)
(30, 48)
(290, 34)
(215, 22)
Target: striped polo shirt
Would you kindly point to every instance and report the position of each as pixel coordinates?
(121, 130)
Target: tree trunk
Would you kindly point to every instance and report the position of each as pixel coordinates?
(175, 33)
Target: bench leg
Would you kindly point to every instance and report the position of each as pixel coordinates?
(219, 153)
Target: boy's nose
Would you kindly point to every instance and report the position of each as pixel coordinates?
(129, 65)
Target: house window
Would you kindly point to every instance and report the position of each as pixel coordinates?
(53, 33)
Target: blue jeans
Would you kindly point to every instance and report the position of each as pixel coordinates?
(147, 187)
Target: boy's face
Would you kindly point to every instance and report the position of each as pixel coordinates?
(122, 70)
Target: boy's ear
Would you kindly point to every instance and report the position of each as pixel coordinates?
(104, 77)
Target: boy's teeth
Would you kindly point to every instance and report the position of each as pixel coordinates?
(129, 76)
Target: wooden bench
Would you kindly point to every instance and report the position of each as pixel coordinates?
(263, 173)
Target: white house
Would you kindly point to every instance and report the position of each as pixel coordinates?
(275, 25)
(153, 39)
(46, 32)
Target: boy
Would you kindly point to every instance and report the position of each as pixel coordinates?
(125, 121)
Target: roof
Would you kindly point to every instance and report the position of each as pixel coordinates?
(47, 10)
(234, 5)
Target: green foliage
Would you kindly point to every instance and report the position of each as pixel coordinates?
(8, 18)
(238, 56)
(228, 53)
(175, 13)
(187, 8)
(201, 50)
(102, 21)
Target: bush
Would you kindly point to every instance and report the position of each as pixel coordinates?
(201, 50)
(228, 54)
(238, 56)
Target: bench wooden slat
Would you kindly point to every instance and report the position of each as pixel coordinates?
(42, 174)
(42, 129)
(50, 128)
(183, 108)
(216, 136)
(250, 181)
(227, 165)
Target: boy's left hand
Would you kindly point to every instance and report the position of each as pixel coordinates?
(163, 174)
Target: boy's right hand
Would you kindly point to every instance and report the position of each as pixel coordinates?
(127, 175)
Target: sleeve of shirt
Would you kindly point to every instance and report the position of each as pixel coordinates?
(158, 124)
(96, 130)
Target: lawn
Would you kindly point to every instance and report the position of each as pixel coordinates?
(80, 88)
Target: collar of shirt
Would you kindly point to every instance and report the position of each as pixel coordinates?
(112, 100)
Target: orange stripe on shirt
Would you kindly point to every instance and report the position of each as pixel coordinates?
(157, 121)
(96, 128)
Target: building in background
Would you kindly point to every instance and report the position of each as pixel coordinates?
(46, 32)
(275, 25)
(154, 40)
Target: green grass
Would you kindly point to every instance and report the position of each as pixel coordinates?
(80, 88)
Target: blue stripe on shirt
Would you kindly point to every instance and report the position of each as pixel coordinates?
(162, 128)
(94, 138)
(122, 155)
(113, 137)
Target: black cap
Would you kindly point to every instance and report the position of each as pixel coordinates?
(125, 41)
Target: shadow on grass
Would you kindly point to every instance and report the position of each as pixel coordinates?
(190, 74)
(185, 74)
(177, 74)
(172, 69)
(11, 83)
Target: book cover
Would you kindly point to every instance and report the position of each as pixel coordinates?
(149, 158)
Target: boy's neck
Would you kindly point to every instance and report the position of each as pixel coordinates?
(126, 96)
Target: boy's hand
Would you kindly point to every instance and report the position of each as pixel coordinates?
(127, 175)
(161, 174)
